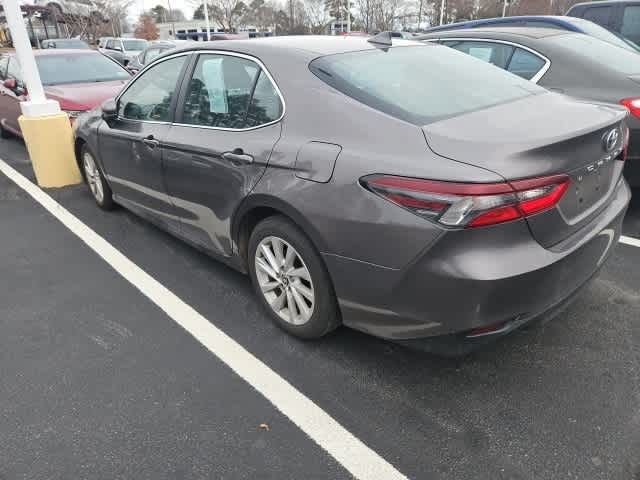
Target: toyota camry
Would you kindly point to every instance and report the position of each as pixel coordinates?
(406, 190)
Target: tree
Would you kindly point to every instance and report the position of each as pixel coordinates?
(316, 15)
(162, 15)
(159, 14)
(146, 28)
(225, 12)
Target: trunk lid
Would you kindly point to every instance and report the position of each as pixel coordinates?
(538, 136)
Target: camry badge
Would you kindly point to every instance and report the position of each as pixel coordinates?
(610, 140)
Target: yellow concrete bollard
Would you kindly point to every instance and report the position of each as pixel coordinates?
(49, 140)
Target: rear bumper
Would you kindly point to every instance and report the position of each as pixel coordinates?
(475, 278)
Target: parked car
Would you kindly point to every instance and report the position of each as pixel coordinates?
(66, 43)
(78, 79)
(102, 43)
(571, 24)
(124, 50)
(153, 50)
(404, 190)
(620, 16)
(571, 63)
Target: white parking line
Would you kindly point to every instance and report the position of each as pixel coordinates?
(361, 462)
(634, 242)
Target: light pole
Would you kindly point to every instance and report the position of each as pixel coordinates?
(206, 20)
(173, 25)
(348, 16)
(46, 130)
(442, 4)
(504, 7)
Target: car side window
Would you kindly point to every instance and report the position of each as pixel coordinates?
(496, 53)
(219, 91)
(525, 64)
(109, 45)
(149, 97)
(599, 15)
(631, 23)
(4, 63)
(266, 106)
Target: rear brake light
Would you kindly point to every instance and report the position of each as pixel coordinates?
(632, 104)
(470, 204)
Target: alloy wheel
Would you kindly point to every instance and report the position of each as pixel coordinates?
(285, 280)
(93, 177)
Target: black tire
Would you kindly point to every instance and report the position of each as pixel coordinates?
(325, 315)
(4, 133)
(104, 201)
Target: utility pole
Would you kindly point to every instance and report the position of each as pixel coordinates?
(206, 20)
(348, 16)
(442, 4)
(504, 8)
(173, 25)
(46, 130)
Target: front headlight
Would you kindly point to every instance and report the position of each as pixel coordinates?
(73, 114)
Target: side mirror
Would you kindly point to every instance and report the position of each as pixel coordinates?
(109, 109)
(10, 83)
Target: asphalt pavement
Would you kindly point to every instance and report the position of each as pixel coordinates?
(97, 382)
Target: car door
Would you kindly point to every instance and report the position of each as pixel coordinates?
(130, 147)
(227, 123)
(11, 97)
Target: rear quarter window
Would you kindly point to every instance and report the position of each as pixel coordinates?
(421, 84)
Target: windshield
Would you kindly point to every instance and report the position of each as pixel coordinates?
(134, 44)
(421, 84)
(74, 68)
(621, 60)
(595, 30)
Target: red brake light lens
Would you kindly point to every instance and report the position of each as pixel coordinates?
(470, 204)
(632, 104)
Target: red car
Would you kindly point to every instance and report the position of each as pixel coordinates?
(78, 79)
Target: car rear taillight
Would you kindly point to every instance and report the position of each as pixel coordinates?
(470, 204)
(633, 105)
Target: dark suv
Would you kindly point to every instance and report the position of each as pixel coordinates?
(619, 16)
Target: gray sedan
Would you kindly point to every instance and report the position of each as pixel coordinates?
(572, 63)
(369, 185)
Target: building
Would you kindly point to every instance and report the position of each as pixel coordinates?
(197, 30)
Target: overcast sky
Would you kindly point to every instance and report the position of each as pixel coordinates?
(187, 6)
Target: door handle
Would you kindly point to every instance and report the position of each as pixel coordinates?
(238, 156)
(150, 142)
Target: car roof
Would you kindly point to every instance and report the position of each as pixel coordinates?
(515, 32)
(311, 45)
(559, 20)
(601, 2)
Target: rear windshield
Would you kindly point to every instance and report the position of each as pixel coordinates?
(597, 31)
(80, 68)
(71, 44)
(604, 53)
(421, 84)
(134, 44)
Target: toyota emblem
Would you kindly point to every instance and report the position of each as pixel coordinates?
(610, 140)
